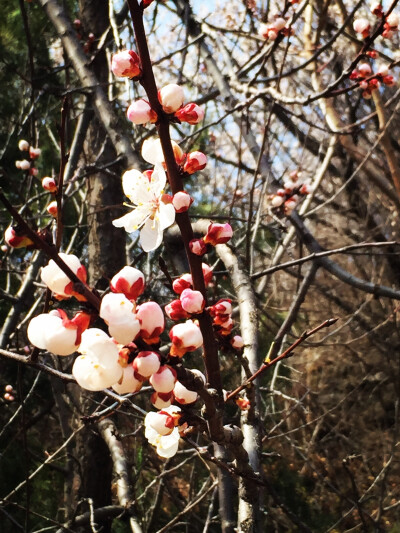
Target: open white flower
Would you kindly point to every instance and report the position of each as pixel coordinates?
(167, 445)
(150, 214)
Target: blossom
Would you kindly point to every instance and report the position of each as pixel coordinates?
(129, 281)
(218, 234)
(126, 64)
(150, 214)
(15, 238)
(152, 151)
(237, 342)
(23, 145)
(49, 184)
(128, 382)
(185, 337)
(161, 400)
(182, 283)
(362, 26)
(175, 311)
(184, 395)
(171, 97)
(151, 320)
(146, 363)
(34, 153)
(167, 445)
(198, 246)
(119, 314)
(52, 209)
(192, 301)
(140, 112)
(57, 281)
(164, 379)
(207, 273)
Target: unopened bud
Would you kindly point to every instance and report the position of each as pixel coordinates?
(195, 161)
(52, 209)
(181, 201)
(140, 112)
(49, 184)
(191, 113)
(198, 246)
(218, 234)
(23, 145)
(171, 97)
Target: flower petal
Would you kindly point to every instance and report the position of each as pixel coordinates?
(166, 215)
(133, 220)
(158, 180)
(136, 187)
(151, 235)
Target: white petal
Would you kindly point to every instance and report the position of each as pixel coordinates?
(133, 220)
(150, 235)
(166, 215)
(130, 180)
(167, 445)
(158, 180)
(152, 151)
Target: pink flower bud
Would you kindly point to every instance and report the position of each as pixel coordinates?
(272, 34)
(192, 301)
(195, 161)
(151, 320)
(163, 380)
(171, 97)
(162, 422)
(263, 30)
(198, 246)
(57, 281)
(387, 33)
(182, 283)
(290, 205)
(185, 337)
(49, 184)
(222, 308)
(393, 20)
(140, 112)
(16, 239)
(237, 342)
(8, 388)
(52, 209)
(23, 165)
(383, 70)
(277, 201)
(126, 64)
(207, 273)
(218, 234)
(362, 26)
(184, 395)
(191, 113)
(279, 23)
(364, 85)
(161, 400)
(376, 9)
(181, 201)
(128, 382)
(4, 248)
(9, 397)
(23, 145)
(175, 311)
(146, 363)
(33, 171)
(129, 281)
(389, 81)
(34, 152)
(364, 69)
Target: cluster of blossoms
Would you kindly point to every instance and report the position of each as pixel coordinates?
(294, 187)
(278, 27)
(391, 24)
(28, 163)
(9, 394)
(370, 81)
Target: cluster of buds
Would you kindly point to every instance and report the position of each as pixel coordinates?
(216, 234)
(27, 164)
(369, 81)
(294, 187)
(221, 313)
(9, 394)
(391, 24)
(278, 27)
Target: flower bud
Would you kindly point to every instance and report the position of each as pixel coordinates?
(218, 234)
(237, 342)
(152, 151)
(207, 273)
(4, 248)
(128, 383)
(182, 283)
(393, 20)
(175, 311)
(52, 209)
(140, 112)
(23, 165)
(185, 337)
(171, 97)
(162, 422)
(34, 153)
(15, 238)
(279, 23)
(146, 363)
(277, 201)
(192, 301)
(33, 171)
(195, 161)
(184, 395)
(23, 145)
(164, 379)
(389, 81)
(129, 281)
(365, 70)
(191, 113)
(181, 201)
(57, 281)
(126, 64)
(222, 308)
(362, 26)
(151, 320)
(161, 400)
(376, 9)
(198, 246)
(119, 314)
(49, 184)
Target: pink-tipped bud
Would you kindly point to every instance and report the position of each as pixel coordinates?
(163, 380)
(218, 234)
(171, 97)
(140, 112)
(185, 337)
(175, 311)
(34, 152)
(237, 342)
(52, 209)
(161, 400)
(49, 184)
(16, 239)
(393, 21)
(146, 363)
(362, 26)
(8, 388)
(389, 81)
(182, 283)
(182, 201)
(222, 308)
(192, 301)
(364, 85)
(365, 70)
(126, 64)
(129, 281)
(9, 397)
(198, 246)
(277, 201)
(387, 32)
(207, 273)
(33, 171)
(383, 70)
(195, 161)
(377, 9)
(191, 113)
(290, 205)
(162, 422)
(151, 320)
(23, 145)
(4, 248)
(184, 395)
(279, 23)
